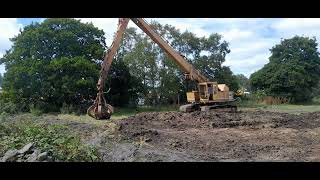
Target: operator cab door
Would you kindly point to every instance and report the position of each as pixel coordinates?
(203, 90)
(207, 91)
(211, 91)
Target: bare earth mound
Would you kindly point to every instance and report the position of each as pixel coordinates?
(211, 136)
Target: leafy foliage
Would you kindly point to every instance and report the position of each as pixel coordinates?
(293, 70)
(124, 88)
(35, 110)
(244, 82)
(225, 76)
(6, 106)
(1, 80)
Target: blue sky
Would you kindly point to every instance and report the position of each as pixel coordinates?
(249, 38)
(26, 21)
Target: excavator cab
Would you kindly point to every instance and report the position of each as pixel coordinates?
(207, 92)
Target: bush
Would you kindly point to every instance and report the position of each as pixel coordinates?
(6, 104)
(8, 107)
(3, 116)
(252, 100)
(67, 109)
(35, 110)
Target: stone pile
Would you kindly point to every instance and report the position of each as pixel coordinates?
(27, 154)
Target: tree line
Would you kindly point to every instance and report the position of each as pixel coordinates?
(56, 63)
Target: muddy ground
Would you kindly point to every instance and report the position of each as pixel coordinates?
(210, 136)
(205, 136)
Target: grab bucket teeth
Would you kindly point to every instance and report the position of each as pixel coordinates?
(100, 109)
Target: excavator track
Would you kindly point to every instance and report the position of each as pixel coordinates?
(216, 108)
(189, 107)
(220, 108)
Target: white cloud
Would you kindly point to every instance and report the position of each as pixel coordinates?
(287, 28)
(192, 25)
(9, 28)
(108, 25)
(248, 64)
(249, 49)
(297, 23)
(2, 69)
(236, 34)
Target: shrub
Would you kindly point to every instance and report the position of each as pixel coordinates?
(79, 109)
(67, 109)
(35, 110)
(8, 107)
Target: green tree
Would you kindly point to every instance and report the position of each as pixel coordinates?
(1, 79)
(243, 81)
(225, 76)
(142, 62)
(54, 62)
(124, 88)
(293, 70)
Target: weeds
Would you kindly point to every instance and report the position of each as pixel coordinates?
(70, 109)
(35, 110)
(125, 112)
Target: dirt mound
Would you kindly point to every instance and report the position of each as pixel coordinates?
(212, 136)
(148, 123)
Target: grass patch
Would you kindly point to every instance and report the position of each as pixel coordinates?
(291, 108)
(36, 111)
(120, 113)
(287, 108)
(57, 140)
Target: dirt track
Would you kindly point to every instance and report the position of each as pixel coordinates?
(205, 136)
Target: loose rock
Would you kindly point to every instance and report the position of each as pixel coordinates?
(33, 157)
(10, 156)
(26, 148)
(43, 156)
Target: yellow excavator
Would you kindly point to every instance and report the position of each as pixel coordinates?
(239, 93)
(210, 95)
